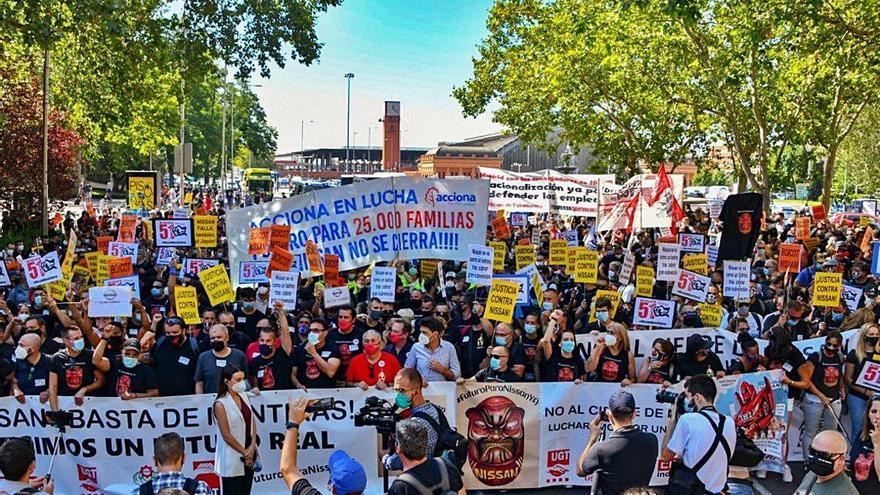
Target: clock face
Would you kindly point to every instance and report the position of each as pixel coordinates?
(392, 108)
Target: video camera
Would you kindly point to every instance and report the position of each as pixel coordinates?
(667, 397)
(60, 419)
(379, 413)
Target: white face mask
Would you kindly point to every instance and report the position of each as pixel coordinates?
(20, 353)
(239, 387)
(610, 340)
(424, 339)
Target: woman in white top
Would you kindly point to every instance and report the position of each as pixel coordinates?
(236, 452)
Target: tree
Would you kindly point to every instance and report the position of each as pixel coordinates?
(858, 169)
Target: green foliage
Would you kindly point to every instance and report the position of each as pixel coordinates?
(711, 176)
(859, 159)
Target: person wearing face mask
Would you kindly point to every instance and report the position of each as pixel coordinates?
(688, 317)
(661, 367)
(128, 378)
(237, 338)
(497, 369)
(72, 372)
(826, 465)
(434, 358)
(374, 367)
(611, 359)
(561, 362)
(792, 320)
(210, 364)
(860, 276)
(31, 370)
(158, 299)
(866, 466)
(302, 327)
(823, 399)
(237, 452)
(411, 403)
(503, 335)
(372, 320)
(316, 362)
(463, 319)
(174, 357)
(246, 314)
(698, 358)
(199, 333)
(702, 442)
(751, 359)
(742, 311)
(530, 339)
(271, 368)
(603, 321)
(346, 337)
(866, 345)
(831, 320)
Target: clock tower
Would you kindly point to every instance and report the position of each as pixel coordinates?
(391, 142)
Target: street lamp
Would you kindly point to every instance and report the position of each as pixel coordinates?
(348, 77)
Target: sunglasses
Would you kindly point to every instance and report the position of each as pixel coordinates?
(264, 327)
(496, 356)
(173, 321)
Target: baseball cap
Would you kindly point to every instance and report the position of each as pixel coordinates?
(621, 403)
(696, 342)
(346, 474)
(132, 343)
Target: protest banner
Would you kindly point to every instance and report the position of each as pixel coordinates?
(736, 279)
(479, 265)
(206, 230)
(383, 281)
(547, 191)
(502, 300)
(789, 258)
(103, 272)
(143, 190)
(629, 206)
(186, 304)
(586, 268)
(644, 281)
(283, 288)
(525, 255)
(378, 220)
(500, 229)
(336, 296)
(802, 228)
(103, 243)
(122, 249)
(653, 312)
(875, 258)
(165, 256)
(331, 270)
(697, 263)
(558, 251)
(280, 259)
(667, 261)
(4, 275)
(132, 282)
(715, 206)
(215, 280)
(127, 229)
(253, 272)
(712, 255)
(81, 274)
(692, 243)
(827, 289)
(499, 253)
(691, 285)
(864, 221)
(119, 267)
(194, 266)
(870, 374)
(42, 270)
(259, 240)
(535, 281)
(109, 301)
(626, 268)
(92, 259)
(611, 295)
(851, 295)
(536, 237)
(710, 314)
(571, 258)
(173, 232)
(818, 212)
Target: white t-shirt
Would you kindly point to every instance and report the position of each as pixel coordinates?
(692, 438)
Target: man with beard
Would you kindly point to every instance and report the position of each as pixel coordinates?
(372, 320)
(174, 357)
(412, 404)
(72, 372)
(236, 338)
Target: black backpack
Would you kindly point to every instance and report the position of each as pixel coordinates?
(189, 486)
(443, 487)
(451, 444)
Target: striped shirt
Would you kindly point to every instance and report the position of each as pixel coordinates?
(420, 358)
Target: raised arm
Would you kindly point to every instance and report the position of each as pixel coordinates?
(283, 328)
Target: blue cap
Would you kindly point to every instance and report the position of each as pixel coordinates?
(346, 474)
(622, 403)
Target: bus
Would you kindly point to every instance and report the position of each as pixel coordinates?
(255, 180)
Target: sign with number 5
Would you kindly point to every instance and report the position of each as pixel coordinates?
(870, 375)
(173, 232)
(39, 271)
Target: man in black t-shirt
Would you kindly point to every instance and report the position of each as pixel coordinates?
(625, 459)
(698, 359)
(247, 316)
(315, 362)
(128, 378)
(31, 375)
(499, 369)
(271, 368)
(72, 372)
(420, 470)
(174, 358)
(346, 338)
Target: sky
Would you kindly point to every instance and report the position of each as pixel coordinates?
(412, 51)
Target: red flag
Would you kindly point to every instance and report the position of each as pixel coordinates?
(664, 187)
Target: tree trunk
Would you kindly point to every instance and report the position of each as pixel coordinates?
(828, 175)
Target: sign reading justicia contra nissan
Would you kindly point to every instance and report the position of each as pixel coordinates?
(377, 220)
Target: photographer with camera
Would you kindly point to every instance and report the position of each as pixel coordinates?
(422, 473)
(17, 464)
(627, 458)
(347, 476)
(408, 385)
(702, 442)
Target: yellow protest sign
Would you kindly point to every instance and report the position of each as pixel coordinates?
(525, 256)
(571, 258)
(500, 254)
(141, 192)
(188, 198)
(558, 251)
(215, 280)
(586, 269)
(864, 221)
(103, 272)
(501, 302)
(697, 263)
(536, 286)
(82, 273)
(710, 314)
(644, 281)
(69, 255)
(827, 289)
(206, 230)
(427, 269)
(58, 289)
(186, 303)
(612, 295)
(92, 259)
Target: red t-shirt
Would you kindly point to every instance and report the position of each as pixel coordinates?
(359, 369)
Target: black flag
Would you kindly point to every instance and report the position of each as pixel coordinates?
(741, 215)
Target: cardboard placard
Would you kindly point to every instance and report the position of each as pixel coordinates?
(818, 212)
(383, 281)
(827, 289)
(667, 261)
(216, 282)
(500, 228)
(258, 242)
(314, 257)
(103, 243)
(186, 304)
(691, 285)
(710, 314)
(502, 300)
(644, 281)
(558, 251)
(802, 228)
(525, 256)
(653, 312)
(109, 301)
(698, 263)
(119, 267)
(284, 288)
(206, 230)
(499, 253)
(253, 272)
(331, 270)
(280, 259)
(42, 270)
(692, 243)
(337, 296)
(479, 265)
(586, 268)
(173, 232)
(127, 228)
(279, 236)
(789, 258)
(736, 279)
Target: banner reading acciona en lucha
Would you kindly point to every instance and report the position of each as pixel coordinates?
(377, 220)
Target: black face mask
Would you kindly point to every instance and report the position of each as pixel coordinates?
(230, 329)
(820, 463)
(218, 345)
(115, 341)
(872, 340)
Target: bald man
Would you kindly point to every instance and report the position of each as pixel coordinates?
(825, 462)
(31, 373)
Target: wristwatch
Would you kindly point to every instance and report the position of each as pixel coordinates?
(291, 424)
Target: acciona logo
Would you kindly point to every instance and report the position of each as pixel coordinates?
(433, 197)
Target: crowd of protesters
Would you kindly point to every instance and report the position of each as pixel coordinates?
(51, 348)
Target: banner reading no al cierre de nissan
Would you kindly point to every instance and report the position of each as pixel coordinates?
(377, 220)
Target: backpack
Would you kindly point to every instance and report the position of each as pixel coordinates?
(189, 486)
(451, 444)
(420, 487)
